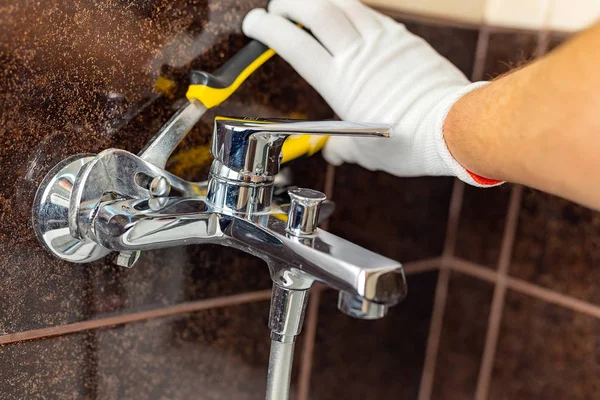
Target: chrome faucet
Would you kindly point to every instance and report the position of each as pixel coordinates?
(89, 206)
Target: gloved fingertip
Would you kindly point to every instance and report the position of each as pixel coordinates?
(252, 20)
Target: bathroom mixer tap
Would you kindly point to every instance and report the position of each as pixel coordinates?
(89, 206)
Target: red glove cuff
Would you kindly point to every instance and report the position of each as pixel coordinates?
(483, 181)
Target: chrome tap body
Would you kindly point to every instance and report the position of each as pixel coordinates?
(117, 201)
(88, 206)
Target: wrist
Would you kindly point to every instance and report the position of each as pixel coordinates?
(449, 159)
(474, 151)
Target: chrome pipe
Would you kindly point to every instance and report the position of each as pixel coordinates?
(280, 370)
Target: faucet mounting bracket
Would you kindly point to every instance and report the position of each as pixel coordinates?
(51, 213)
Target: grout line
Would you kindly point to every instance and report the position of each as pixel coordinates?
(474, 270)
(553, 297)
(483, 41)
(510, 230)
(435, 332)
(308, 348)
(526, 288)
(543, 43)
(458, 191)
(441, 291)
(329, 180)
(328, 189)
(495, 318)
(416, 267)
(496, 309)
(441, 294)
(218, 302)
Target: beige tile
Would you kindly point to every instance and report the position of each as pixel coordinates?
(573, 15)
(530, 14)
(458, 10)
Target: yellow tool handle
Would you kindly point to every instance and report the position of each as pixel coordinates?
(298, 146)
(213, 89)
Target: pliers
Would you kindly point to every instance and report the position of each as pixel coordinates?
(208, 90)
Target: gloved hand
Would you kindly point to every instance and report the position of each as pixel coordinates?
(369, 68)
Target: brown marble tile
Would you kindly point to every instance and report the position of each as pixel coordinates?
(55, 368)
(463, 337)
(381, 359)
(508, 50)
(78, 77)
(481, 225)
(545, 352)
(404, 219)
(213, 354)
(401, 218)
(456, 44)
(557, 38)
(309, 172)
(557, 246)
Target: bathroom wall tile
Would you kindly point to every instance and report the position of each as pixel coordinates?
(54, 368)
(556, 39)
(462, 339)
(309, 172)
(508, 50)
(404, 219)
(529, 14)
(470, 11)
(74, 90)
(382, 359)
(569, 15)
(557, 246)
(481, 225)
(545, 352)
(213, 354)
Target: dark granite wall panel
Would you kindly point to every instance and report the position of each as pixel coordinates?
(78, 77)
(556, 39)
(404, 219)
(373, 360)
(545, 352)
(481, 225)
(558, 246)
(462, 339)
(43, 369)
(508, 50)
(213, 354)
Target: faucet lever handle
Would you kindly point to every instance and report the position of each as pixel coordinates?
(254, 145)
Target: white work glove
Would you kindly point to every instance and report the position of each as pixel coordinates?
(369, 68)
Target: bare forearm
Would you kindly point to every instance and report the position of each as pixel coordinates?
(538, 126)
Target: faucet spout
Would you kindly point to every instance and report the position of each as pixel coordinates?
(342, 265)
(134, 225)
